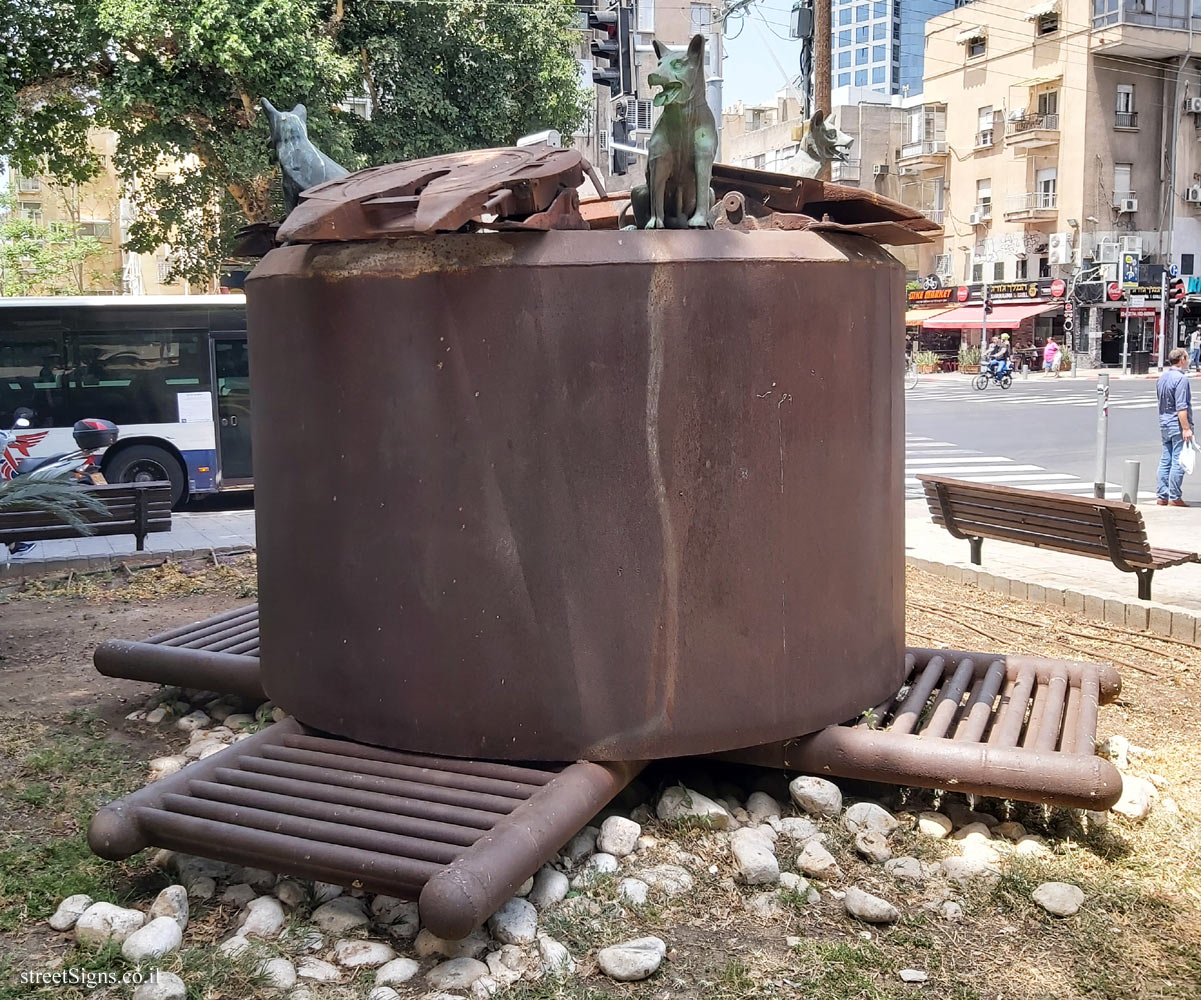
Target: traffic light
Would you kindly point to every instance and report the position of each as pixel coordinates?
(1176, 291)
(614, 46)
(987, 301)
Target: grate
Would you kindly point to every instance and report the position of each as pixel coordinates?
(458, 835)
(217, 654)
(1019, 727)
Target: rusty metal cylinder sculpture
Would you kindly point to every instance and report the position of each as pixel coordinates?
(579, 495)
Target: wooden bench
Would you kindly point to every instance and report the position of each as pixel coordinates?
(1102, 529)
(129, 509)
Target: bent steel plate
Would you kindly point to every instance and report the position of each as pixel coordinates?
(1017, 727)
(436, 194)
(458, 835)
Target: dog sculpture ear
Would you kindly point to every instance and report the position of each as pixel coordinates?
(660, 49)
(819, 116)
(696, 49)
(269, 108)
(301, 112)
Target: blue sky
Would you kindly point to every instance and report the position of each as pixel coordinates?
(750, 74)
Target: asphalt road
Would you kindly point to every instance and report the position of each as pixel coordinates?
(1039, 434)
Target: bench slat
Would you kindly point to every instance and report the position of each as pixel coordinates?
(66, 531)
(973, 522)
(1030, 497)
(1083, 511)
(1080, 509)
(1094, 528)
(1093, 543)
(1036, 539)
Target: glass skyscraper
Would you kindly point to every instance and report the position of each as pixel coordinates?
(880, 44)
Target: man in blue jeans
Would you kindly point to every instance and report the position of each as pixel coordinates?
(1175, 426)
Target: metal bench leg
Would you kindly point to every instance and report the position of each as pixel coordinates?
(1144, 583)
(140, 518)
(977, 544)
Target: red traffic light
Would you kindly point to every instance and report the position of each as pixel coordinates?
(1176, 291)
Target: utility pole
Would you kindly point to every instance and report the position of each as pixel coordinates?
(821, 55)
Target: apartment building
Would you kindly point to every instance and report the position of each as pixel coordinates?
(98, 209)
(1065, 138)
(672, 23)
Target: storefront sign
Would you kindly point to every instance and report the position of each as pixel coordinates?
(1114, 291)
(919, 297)
(962, 293)
(1140, 312)
(1044, 289)
(1193, 286)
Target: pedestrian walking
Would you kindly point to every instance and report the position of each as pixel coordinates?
(1194, 349)
(1051, 358)
(1175, 426)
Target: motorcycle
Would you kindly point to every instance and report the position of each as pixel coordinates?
(92, 434)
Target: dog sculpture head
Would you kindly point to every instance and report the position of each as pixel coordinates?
(679, 74)
(287, 127)
(825, 142)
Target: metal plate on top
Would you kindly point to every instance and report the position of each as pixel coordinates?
(436, 194)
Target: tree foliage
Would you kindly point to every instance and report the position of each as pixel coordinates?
(36, 259)
(180, 80)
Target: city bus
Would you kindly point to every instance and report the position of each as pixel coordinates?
(171, 371)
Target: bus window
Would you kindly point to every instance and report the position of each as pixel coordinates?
(131, 376)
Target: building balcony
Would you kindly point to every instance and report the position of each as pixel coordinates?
(844, 171)
(1032, 131)
(1126, 120)
(935, 215)
(986, 139)
(926, 154)
(1031, 206)
(1139, 29)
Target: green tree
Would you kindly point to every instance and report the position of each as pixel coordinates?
(36, 259)
(179, 81)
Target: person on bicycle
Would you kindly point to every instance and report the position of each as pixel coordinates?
(998, 355)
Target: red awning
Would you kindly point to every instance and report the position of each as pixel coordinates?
(1001, 317)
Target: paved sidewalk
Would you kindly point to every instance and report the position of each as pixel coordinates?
(1177, 588)
(190, 533)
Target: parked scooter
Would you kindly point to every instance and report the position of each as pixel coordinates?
(91, 435)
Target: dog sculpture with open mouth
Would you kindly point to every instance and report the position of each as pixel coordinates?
(823, 143)
(682, 146)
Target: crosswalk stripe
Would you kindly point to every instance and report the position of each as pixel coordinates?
(924, 456)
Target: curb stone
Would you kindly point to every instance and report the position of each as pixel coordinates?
(17, 572)
(1149, 616)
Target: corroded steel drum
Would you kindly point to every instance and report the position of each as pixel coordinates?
(579, 495)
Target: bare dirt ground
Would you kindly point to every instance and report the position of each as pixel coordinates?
(66, 746)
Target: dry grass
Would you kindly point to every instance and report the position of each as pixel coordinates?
(235, 575)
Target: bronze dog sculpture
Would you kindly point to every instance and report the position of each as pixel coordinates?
(682, 146)
(302, 164)
(823, 143)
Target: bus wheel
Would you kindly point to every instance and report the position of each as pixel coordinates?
(144, 463)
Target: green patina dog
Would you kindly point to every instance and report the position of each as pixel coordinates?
(679, 167)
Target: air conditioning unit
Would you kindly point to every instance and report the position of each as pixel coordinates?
(975, 219)
(1192, 105)
(880, 170)
(1132, 244)
(1106, 253)
(1059, 248)
(1128, 205)
(1193, 195)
